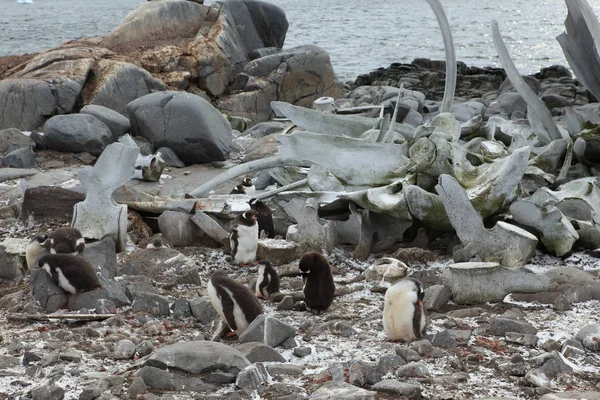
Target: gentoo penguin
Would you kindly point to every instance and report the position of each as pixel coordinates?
(318, 282)
(264, 217)
(236, 304)
(71, 273)
(267, 282)
(155, 242)
(248, 186)
(34, 249)
(244, 238)
(403, 312)
(239, 189)
(65, 241)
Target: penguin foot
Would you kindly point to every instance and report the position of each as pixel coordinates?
(260, 296)
(230, 334)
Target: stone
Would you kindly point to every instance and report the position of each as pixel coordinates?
(137, 387)
(103, 256)
(147, 168)
(170, 157)
(177, 120)
(203, 310)
(267, 330)
(589, 336)
(181, 309)
(478, 283)
(570, 275)
(76, 133)
(144, 348)
(48, 392)
(302, 351)
(178, 228)
(9, 362)
(392, 386)
(266, 128)
(88, 300)
(159, 379)
(98, 216)
(286, 304)
(219, 377)
(46, 292)
(386, 269)
(570, 395)
(124, 350)
(553, 365)
(20, 158)
(153, 263)
(338, 390)
(211, 227)
(252, 377)
(117, 123)
(413, 369)
(258, 352)
(13, 136)
(389, 363)
(501, 326)
(49, 203)
(154, 304)
(279, 369)
(443, 339)
(70, 355)
(277, 251)
(10, 266)
(198, 357)
(436, 296)
(310, 230)
(408, 354)
(361, 373)
(526, 339)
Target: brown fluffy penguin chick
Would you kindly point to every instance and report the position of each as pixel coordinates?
(267, 282)
(235, 303)
(65, 241)
(264, 216)
(155, 242)
(71, 273)
(318, 282)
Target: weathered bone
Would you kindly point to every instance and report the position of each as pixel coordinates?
(147, 168)
(509, 245)
(99, 215)
(310, 229)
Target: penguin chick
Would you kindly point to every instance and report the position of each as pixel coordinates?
(318, 282)
(267, 282)
(403, 312)
(155, 242)
(34, 249)
(71, 273)
(264, 216)
(239, 189)
(65, 241)
(235, 303)
(248, 186)
(243, 238)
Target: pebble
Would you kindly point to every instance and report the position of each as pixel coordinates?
(302, 351)
(408, 354)
(412, 369)
(124, 350)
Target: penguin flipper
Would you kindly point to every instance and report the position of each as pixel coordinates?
(228, 306)
(233, 241)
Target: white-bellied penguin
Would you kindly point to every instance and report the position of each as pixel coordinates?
(65, 241)
(403, 312)
(235, 303)
(264, 216)
(267, 282)
(319, 287)
(71, 273)
(239, 189)
(248, 186)
(244, 238)
(34, 250)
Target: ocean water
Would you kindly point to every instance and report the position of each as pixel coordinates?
(359, 35)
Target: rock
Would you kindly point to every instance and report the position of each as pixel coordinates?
(48, 392)
(181, 309)
(279, 369)
(423, 347)
(76, 133)
(137, 387)
(286, 304)
(412, 369)
(20, 158)
(12, 136)
(46, 292)
(159, 379)
(277, 251)
(117, 123)
(436, 296)
(10, 267)
(526, 339)
(252, 377)
(258, 352)
(144, 348)
(267, 330)
(154, 263)
(302, 351)
(589, 336)
(88, 300)
(203, 310)
(478, 283)
(386, 269)
(170, 157)
(570, 275)
(443, 339)
(501, 326)
(335, 327)
(103, 256)
(408, 354)
(389, 363)
(179, 230)
(553, 365)
(177, 120)
(153, 303)
(361, 373)
(266, 128)
(124, 350)
(7, 362)
(570, 395)
(337, 390)
(70, 355)
(260, 148)
(49, 203)
(392, 386)
(197, 357)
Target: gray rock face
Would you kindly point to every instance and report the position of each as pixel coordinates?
(48, 392)
(443, 339)
(13, 136)
(103, 256)
(263, 129)
(159, 379)
(178, 229)
(198, 357)
(410, 390)
(589, 336)
(153, 303)
(10, 267)
(267, 330)
(20, 158)
(258, 352)
(413, 369)
(144, 348)
(338, 390)
(184, 122)
(181, 309)
(170, 157)
(252, 377)
(111, 291)
(50, 296)
(117, 123)
(77, 133)
(152, 262)
(436, 296)
(203, 310)
(124, 350)
(501, 326)
(388, 363)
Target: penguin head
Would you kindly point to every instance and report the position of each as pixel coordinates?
(157, 243)
(247, 182)
(43, 263)
(264, 265)
(241, 188)
(41, 238)
(307, 262)
(249, 216)
(418, 289)
(253, 202)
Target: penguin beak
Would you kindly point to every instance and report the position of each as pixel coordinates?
(420, 303)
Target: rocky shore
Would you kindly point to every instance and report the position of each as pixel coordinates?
(146, 131)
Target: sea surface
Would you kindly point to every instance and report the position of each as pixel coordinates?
(359, 35)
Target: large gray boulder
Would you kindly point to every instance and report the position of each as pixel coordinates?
(117, 123)
(49, 295)
(26, 103)
(77, 133)
(12, 136)
(198, 357)
(184, 122)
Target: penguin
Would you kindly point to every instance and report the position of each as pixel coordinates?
(71, 273)
(65, 241)
(249, 187)
(264, 216)
(236, 304)
(403, 312)
(267, 282)
(239, 189)
(34, 250)
(244, 238)
(155, 242)
(318, 282)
